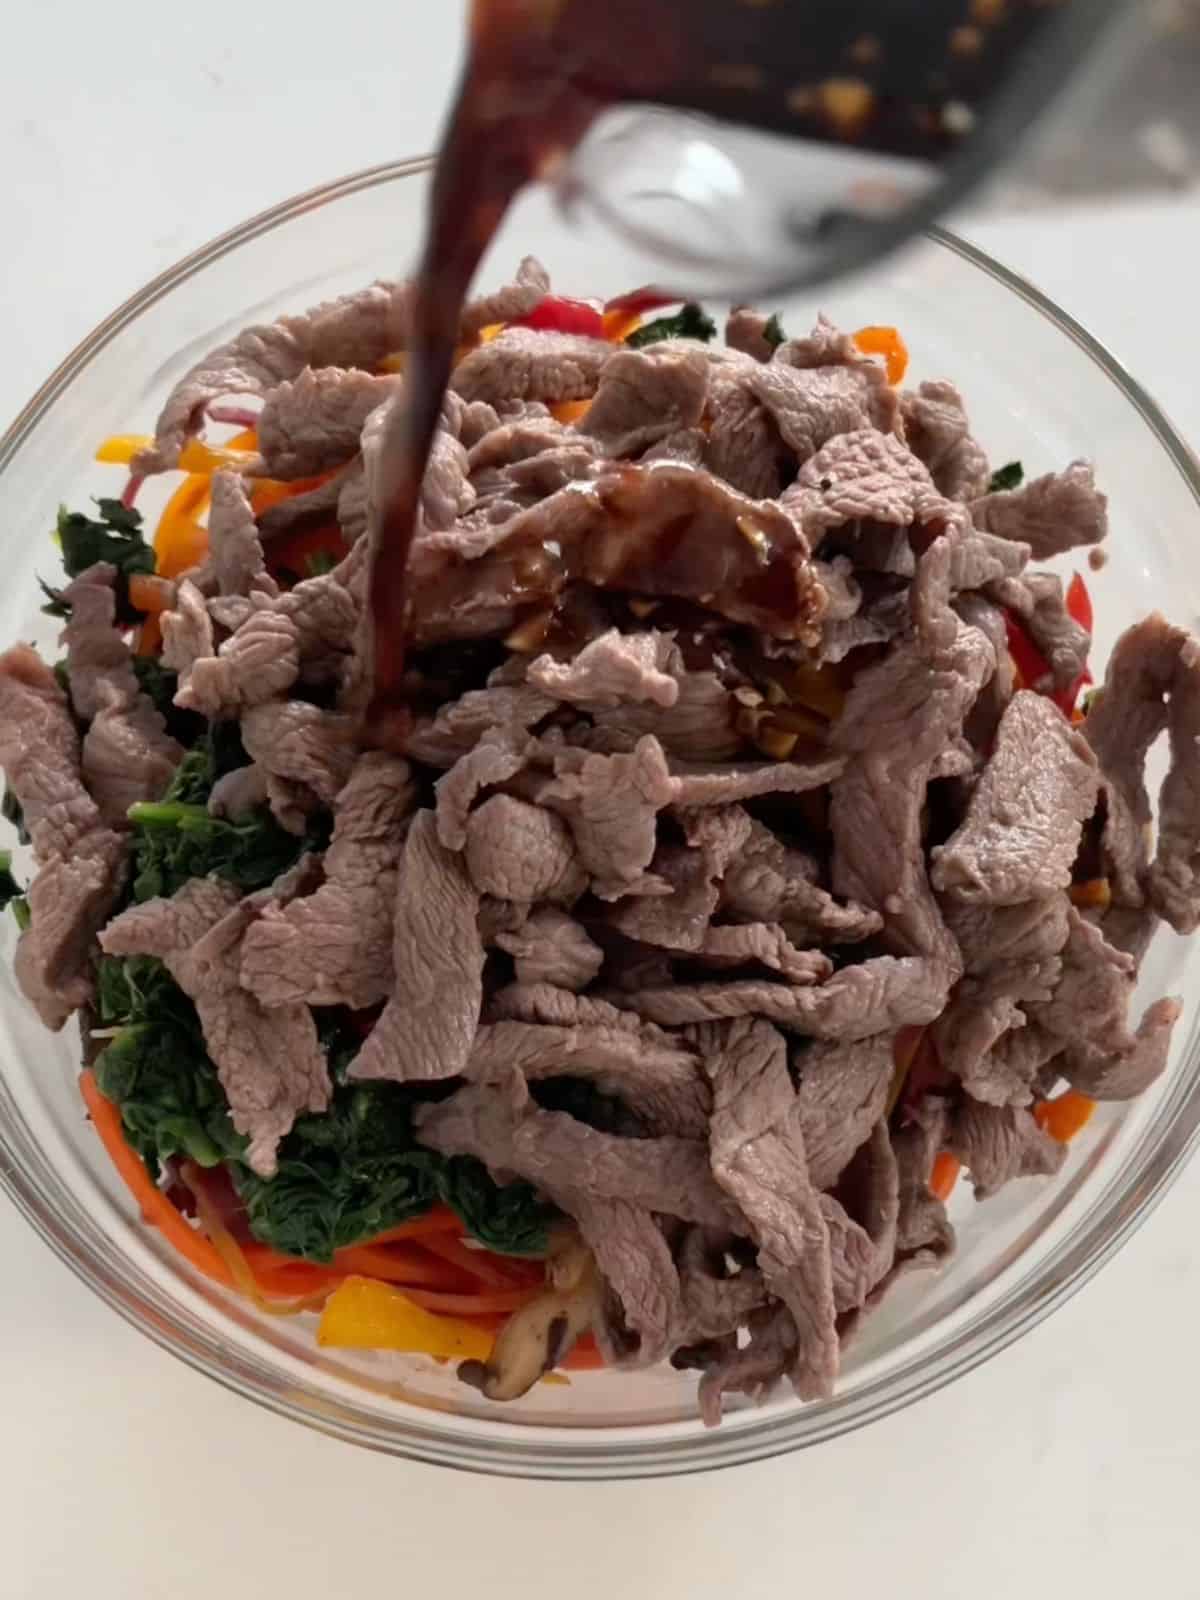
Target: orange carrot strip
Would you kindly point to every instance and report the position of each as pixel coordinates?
(618, 325)
(392, 1264)
(467, 1305)
(568, 411)
(150, 593)
(945, 1174)
(230, 1252)
(149, 638)
(1065, 1116)
(156, 1209)
(439, 1219)
(496, 1271)
(885, 342)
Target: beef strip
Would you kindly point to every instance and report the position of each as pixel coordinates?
(1037, 599)
(235, 564)
(428, 1026)
(742, 444)
(655, 1075)
(843, 1090)
(1054, 514)
(257, 663)
(896, 723)
(679, 921)
(334, 947)
(721, 785)
(81, 862)
(984, 559)
(458, 727)
(501, 754)
(614, 670)
(611, 804)
(881, 994)
(187, 630)
(646, 395)
(923, 1229)
(746, 330)
(317, 505)
(553, 948)
(314, 422)
(270, 1063)
(636, 1264)
(765, 944)
(1025, 819)
(717, 1301)
(522, 852)
(523, 364)
(769, 882)
(357, 330)
(650, 530)
(863, 475)
(514, 300)
(758, 1158)
(938, 431)
(999, 1143)
(497, 1124)
(301, 744)
(127, 753)
(238, 793)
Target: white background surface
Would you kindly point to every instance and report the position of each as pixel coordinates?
(129, 134)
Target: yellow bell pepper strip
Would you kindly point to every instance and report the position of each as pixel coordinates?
(618, 325)
(1065, 1116)
(569, 411)
(904, 1052)
(362, 1314)
(885, 342)
(120, 449)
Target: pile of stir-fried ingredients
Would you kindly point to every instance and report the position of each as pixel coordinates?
(760, 858)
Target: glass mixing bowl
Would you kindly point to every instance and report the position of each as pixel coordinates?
(1039, 389)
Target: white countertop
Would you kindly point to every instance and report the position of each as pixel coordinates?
(128, 135)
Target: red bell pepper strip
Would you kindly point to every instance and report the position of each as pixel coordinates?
(1079, 603)
(639, 301)
(556, 314)
(1029, 661)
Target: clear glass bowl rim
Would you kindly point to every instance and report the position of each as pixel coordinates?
(560, 1454)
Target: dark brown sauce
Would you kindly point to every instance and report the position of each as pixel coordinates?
(538, 74)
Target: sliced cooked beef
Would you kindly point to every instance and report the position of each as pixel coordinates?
(1174, 883)
(923, 1229)
(1127, 1072)
(553, 948)
(614, 670)
(314, 422)
(611, 806)
(720, 785)
(187, 630)
(270, 1063)
(982, 1012)
(680, 920)
(636, 1264)
(498, 756)
(742, 444)
(127, 754)
(936, 425)
(770, 882)
(238, 793)
(1025, 819)
(650, 530)
(513, 301)
(655, 1075)
(428, 1026)
(70, 899)
(717, 1301)
(357, 330)
(301, 744)
(521, 364)
(497, 1124)
(842, 1095)
(334, 947)
(999, 1143)
(458, 727)
(522, 852)
(1052, 515)
(991, 936)
(1037, 599)
(982, 559)
(896, 723)
(758, 1158)
(99, 660)
(858, 1001)
(257, 663)
(320, 504)
(863, 475)
(765, 944)
(646, 395)
(747, 330)
(235, 564)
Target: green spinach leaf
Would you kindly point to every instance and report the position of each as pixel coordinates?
(1010, 477)
(692, 322)
(114, 536)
